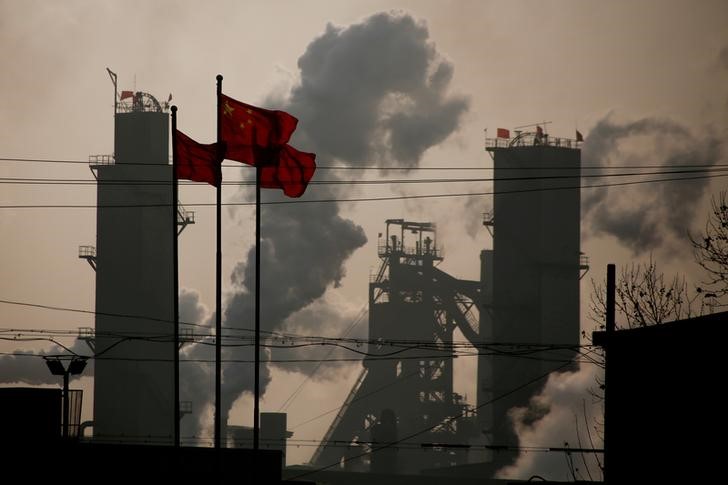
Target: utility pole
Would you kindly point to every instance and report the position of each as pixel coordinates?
(610, 326)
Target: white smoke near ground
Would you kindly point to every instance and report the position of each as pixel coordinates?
(196, 368)
(375, 91)
(565, 414)
(654, 216)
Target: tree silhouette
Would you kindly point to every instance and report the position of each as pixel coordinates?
(711, 251)
(643, 296)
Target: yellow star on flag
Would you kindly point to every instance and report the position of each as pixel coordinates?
(229, 109)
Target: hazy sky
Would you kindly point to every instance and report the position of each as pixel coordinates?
(647, 80)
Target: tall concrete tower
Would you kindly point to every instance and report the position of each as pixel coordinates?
(133, 385)
(531, 277)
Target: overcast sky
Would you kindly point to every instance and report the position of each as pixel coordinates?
(645, 81)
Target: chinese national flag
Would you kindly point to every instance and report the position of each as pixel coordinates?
(503, 133)
(195, 161)
(126, 94)
(245, 129)
(289, 170)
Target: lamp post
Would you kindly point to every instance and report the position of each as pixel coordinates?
(75, 367)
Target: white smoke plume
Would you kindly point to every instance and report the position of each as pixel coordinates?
(647, 217)
(564, 414)
(375, 91)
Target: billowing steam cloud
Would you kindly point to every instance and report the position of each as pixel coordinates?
(657, 218)
(371, 92)
(375, 90)
(564, 415)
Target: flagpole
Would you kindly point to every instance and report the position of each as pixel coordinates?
(256, 406)
(218, 290)
(175, 276)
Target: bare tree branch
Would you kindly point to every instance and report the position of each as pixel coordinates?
(711, 252)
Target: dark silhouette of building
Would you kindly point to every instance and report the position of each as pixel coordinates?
(663, 394)
(528, 294)
(531, 276)
(31, 414)
(273, 434)
(407, 401)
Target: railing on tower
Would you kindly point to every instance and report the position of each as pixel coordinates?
(531, 139)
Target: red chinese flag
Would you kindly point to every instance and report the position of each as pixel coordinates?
(126, 94)
(245, 129)
(289, 170)
(196, 161)
(579, 136)
(503, 133)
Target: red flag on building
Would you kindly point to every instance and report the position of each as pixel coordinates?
(579, 136)
(503, 133)
(126, 94)
(289, 170)
(195, 161)
(244, 128)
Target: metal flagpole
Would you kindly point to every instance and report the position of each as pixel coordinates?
(175, 276)
(256, 407)
(218, 291)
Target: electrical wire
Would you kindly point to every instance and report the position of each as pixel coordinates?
(285, 361)
(375, 391)
(284, 337)
(376, 166)
(292, 397)
(134, 182)
(300, 202)
(430, 428)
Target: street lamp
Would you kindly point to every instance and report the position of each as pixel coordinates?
(75, 367)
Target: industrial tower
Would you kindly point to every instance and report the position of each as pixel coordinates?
(132, 342)
(532, 274)
(522, 316)
(404, 398)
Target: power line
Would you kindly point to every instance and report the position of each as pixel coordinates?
(300, 202)
(379, 389)
(370, 166)
(292, 397)
(133, 182)
(422, 446)
(316, 340)
(565, 361)
(430, 428)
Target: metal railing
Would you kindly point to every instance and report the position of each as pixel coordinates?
(86, 252)
(387, 249)
(530, 139)
(101, 160)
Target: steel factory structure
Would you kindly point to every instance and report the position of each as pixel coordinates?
(522, 316)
